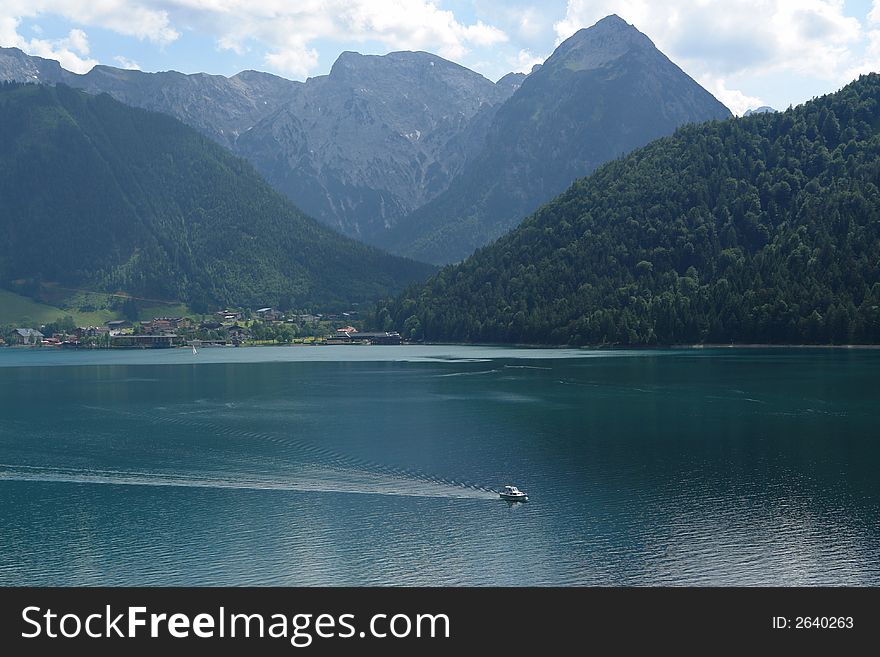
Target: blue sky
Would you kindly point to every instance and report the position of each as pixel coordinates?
(746, 52)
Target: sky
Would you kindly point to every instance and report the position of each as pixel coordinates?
(746, 52)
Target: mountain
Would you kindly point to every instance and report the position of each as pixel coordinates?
(376, 138)
(99, 195)
(759, 110)
(510, 83)
(358, 148)
(604, 91)
(761, 229)
(219, 107)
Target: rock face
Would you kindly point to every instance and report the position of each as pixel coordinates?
(15, 66)
(604, 91)
(358, 148)
(376, 138)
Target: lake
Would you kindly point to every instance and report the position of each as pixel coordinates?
(369, 465)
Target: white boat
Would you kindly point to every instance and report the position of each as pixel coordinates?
(513, 494)
(194, 349)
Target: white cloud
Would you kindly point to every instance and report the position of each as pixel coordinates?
(480, 34)
(78, 41)
(870, 61)
(293, 61)
(739, 38)
(137, 18)
(126, 63)
(530, 23)
(874, 14)
(71, 51)
(285, 30)
(230, 43)
(736, 101)
(396, 24)
(524, 61)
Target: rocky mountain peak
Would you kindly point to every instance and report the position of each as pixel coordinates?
(764, 109)
(605, 91)
(16, 66)
(593, 47)
(511, 81)
(403, 66)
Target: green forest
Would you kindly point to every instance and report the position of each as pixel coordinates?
(763, 229)
(95, 194)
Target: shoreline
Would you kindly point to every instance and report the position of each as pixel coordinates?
(760, 345)
(616, 347)
(518, 345)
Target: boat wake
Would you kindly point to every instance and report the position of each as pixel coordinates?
(450, 374)
(323, 480)
(322, 457)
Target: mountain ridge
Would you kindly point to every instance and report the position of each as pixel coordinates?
(384, 158)
(109, 197)
(236, 102)
(603, 92)
(364, 145)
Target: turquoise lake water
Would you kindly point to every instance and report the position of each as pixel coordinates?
(360, 465)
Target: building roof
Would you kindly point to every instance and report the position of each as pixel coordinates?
(28, 333)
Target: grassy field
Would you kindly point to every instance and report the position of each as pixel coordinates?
(16, 309)
(21, 310)
(164, 310)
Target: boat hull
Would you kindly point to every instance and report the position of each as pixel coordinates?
(514, 498)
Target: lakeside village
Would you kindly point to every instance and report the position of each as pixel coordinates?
(225, 328)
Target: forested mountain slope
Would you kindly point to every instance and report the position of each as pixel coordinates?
(97, 194)
(761, 229)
